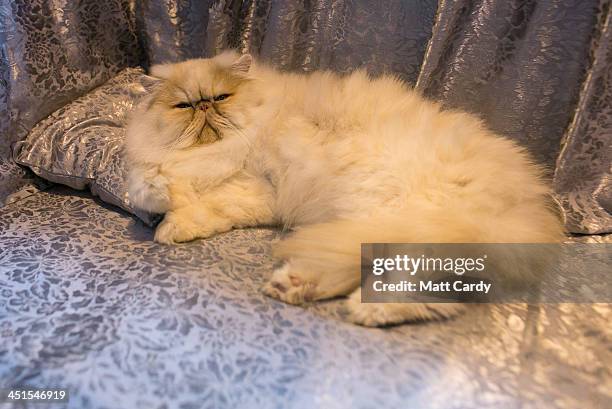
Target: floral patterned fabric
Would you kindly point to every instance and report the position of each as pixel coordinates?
(90, 303)
(583, 177)
(294, 35)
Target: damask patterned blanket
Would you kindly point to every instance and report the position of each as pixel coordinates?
(90, 303)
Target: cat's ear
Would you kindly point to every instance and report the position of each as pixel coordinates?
(242, 64)
(163, 71)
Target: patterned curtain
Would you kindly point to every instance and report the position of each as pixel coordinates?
(538, 71)
(387, 36)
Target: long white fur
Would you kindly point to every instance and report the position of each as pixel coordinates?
(341, 160)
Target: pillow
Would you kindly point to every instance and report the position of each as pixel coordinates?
(80, 145)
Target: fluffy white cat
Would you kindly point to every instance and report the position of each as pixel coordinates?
(228, 142)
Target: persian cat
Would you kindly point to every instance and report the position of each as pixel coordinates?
(228, 142)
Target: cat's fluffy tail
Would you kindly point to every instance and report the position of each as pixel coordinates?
(330, 252)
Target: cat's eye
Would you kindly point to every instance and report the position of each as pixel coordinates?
(183, 105)
(221, 97)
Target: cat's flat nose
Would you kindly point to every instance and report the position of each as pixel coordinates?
(204, 105)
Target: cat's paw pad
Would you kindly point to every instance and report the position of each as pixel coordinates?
(289, 287)
(382, 314)
(169, 231)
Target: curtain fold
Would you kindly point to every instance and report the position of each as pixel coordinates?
(583, 177)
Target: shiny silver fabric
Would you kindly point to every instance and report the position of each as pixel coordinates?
(90, 303)
(583, 179)
(341, 35)
(535, 71)
(80, 145)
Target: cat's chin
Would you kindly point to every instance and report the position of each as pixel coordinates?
(208, 135)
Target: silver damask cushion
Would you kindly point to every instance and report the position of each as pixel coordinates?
(80, 145)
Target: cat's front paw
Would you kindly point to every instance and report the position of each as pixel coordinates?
(383, 314)
(289, 287)
(148, 190)
(174, 230)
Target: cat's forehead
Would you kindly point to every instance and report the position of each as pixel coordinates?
(203, 79)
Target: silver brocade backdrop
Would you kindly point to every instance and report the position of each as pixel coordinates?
(538, 72)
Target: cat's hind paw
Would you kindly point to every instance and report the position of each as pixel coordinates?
(289, 287)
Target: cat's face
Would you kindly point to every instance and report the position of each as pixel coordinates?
(201, 101)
